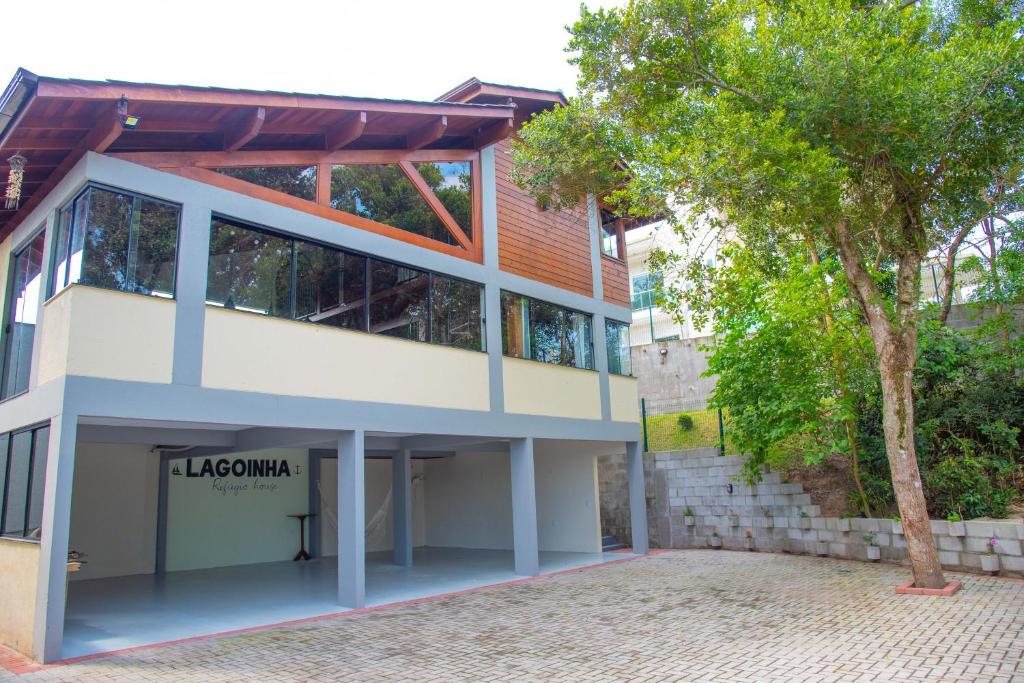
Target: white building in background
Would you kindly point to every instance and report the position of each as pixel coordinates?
(651, 322)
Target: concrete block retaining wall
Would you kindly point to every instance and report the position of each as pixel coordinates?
(781, 517)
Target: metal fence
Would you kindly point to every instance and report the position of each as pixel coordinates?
(682, 424)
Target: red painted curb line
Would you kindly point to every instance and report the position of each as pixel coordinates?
(17, 663)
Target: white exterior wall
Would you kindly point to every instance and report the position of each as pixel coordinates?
(114, 509)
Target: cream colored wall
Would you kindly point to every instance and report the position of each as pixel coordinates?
(545, 389)
(103, 333)
(19, 573)
(248, 352)
(624, 398)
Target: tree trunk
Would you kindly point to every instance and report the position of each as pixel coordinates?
(895, 343)
(896, 365)
(949, 273)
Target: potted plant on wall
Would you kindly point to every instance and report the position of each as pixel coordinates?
(873, 551)
(805, 520)
(989, 559)
(748, 541)
(688, 517)
(956, 524)
(715, 540)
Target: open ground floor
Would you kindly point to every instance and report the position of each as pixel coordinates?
(693, 615)
(157, 530)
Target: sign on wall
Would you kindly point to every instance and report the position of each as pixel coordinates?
(231, 510)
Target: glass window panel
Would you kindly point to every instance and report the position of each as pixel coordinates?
(5, 440)
(17, 484)
(549, 340)
(455, 315)
(154, 247)
(398, 300)
(450, 181)
(617, 341)
(383, 193)
(35, 510)
(330, 286)
(78, 224)
(298, 181)
(107, 239)
(61, 247)
(579, 344)
(515, 324)
(23, 306)
(249, 270)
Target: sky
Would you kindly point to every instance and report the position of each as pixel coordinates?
(402, 49)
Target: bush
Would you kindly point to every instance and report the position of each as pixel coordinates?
(685, 422)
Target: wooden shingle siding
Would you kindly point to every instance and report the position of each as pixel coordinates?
(549, 246)
(615, 281)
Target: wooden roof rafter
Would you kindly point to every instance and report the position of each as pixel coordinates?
(435, 204)
(345, 132)
(236, 137)
(430, 132)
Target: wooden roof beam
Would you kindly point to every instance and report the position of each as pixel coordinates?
(432, 131)
(344, 132)
(236, 138)
(494, 132)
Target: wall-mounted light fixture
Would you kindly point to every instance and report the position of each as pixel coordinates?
(127, 120)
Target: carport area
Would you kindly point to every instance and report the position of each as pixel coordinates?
(188, 530)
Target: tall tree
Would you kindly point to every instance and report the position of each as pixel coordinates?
(853, 124)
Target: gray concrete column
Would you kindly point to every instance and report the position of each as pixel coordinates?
(637, 496)
(524, 507)
(190, 294)
(48, 634)
(401, 500)
(600, 345)
(351, 520)
(492, 291)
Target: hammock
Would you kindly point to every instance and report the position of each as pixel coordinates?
(375, 525)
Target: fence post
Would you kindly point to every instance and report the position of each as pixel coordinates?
(721, 433)
(643, 417)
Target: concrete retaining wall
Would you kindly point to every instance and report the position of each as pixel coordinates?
(781, 517)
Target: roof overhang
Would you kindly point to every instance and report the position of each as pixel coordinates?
(55, 122)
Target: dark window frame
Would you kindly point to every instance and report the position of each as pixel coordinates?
(529, 332)
(52, 289)
(28, 482)
(609, 323)
(368, 257)
(9, 307)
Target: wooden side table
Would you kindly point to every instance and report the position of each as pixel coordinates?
(302, 554)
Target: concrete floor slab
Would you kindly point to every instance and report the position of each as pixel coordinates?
(104, 615)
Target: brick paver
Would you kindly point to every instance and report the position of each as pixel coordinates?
(688, 616)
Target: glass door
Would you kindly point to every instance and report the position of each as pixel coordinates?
(22, 308)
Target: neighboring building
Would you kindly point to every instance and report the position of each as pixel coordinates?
(227, 308)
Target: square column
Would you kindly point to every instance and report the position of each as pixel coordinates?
(637, 496)
(51, 589)
(351, 520)
(401, 500)
(524, 507)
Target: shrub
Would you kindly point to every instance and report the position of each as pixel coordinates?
(685, 422)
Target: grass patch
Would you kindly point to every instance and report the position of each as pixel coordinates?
(665, 433)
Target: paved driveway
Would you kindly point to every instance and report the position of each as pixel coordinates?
(687, 615)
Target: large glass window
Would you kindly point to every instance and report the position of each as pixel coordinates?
(262, 272)
(22, 307)
(645, 288)
(298, 181)
(330, 286)
(118, 241)
(457, 313)
(22, 480)
(611, 235)
(546, 332)
(450, 182)
(616, 336)
(399, 301)
(249, 270)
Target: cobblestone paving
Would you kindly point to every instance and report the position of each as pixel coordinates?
(687, 616)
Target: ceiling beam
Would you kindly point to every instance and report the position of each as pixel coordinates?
(235, 138)
(344, 132)
(494, 132)
(106, 129)
(429, 132)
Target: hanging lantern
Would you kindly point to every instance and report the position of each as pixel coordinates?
(15, 178)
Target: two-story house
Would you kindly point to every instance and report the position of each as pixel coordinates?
(242, 327)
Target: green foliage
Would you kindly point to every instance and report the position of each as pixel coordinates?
(969, 432)
(685, 422)
(665, 433)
